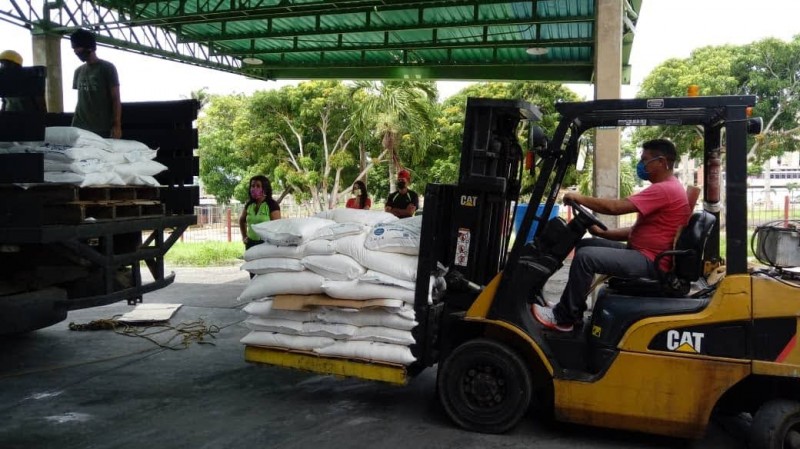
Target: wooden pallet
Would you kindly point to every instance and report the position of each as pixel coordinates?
(111, 193)
(81, 211)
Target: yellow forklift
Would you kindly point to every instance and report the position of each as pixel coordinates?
(656, 356)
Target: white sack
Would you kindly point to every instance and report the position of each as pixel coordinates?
(271, 284)
(126, 146)
(82, 166)
(263, 309)
(367, 317)
(338, 230)
(318, 248)
(272, 265)
(337, 267)
(140, 155)
(85, 180)
(71, 154)
(289, 231)
(401, 236)
(74, 137)
(383, 335)
(312, 248)
(146, 167)
(256, 338)
(139, 180)
(376, 277)
(369, 350)
(287, 327)
(360, 291)
(401, 266)
(337, 331)
(363, 216)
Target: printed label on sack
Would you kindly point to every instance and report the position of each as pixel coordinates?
(462, 247)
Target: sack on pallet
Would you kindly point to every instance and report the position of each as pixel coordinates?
(363, 216)
(337, 267)
(369, 350)
(338, 230)
(357, 291)
(147, 168)
(139, 180)
(401, 236)
(383, 335)
(74, 137)
(84, 180)
(271, 284)
(289, 231)
(332, 330)
(263, 309)
(314, 247)
(272, 265)
(126, 146)
(401, 266)
(369, 317)
(71, 154)
(275, 340)
(83, 166)
(376, 277)
(287, 327)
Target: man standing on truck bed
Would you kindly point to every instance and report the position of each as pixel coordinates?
(99, 108)
(662, 209)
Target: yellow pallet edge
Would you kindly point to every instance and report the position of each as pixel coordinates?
(394, 374)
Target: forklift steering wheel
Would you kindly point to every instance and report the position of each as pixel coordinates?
(584, 215)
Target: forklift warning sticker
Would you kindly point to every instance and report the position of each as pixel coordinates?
(462, 247)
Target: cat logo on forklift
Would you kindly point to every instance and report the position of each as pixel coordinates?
(469, 200)
(685, 341)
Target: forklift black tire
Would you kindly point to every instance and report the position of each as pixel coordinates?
(484, 386)
(776, 425)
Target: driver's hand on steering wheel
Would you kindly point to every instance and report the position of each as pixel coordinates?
(571, 196)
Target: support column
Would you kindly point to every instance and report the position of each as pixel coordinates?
(608, 79)
(47, 52)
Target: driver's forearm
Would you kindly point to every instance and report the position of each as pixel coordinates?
(606, 206)
(618, 235)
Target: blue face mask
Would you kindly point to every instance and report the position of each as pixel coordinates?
(641, 170)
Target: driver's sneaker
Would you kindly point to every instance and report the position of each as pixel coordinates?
(545, 316)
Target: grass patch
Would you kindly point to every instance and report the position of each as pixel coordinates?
(205, 254)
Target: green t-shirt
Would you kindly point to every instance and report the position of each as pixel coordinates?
(259, 214)
(94, 111)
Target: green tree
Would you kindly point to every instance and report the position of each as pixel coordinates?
(402, 114)
(222, 165)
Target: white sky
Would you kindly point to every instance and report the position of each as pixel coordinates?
(666, 29)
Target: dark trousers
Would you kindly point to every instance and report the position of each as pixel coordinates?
(598, 256)
(250, 244)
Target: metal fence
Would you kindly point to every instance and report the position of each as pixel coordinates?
(221, 223)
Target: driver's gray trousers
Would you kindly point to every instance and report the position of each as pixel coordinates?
(598, 256)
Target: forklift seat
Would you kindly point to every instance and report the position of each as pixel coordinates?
(687, 263)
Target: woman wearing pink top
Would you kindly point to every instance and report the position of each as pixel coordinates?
(662, 209)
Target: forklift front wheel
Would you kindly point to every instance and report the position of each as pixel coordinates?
(484, 386)
(776, 425)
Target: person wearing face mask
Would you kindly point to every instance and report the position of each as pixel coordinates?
(360, 199)
(99, 109)
(258, 209)
(662, 208)
(404, 202)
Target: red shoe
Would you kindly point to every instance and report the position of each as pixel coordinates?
(545, 316)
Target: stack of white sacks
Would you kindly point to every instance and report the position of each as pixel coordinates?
(76, 156)
(341, 255)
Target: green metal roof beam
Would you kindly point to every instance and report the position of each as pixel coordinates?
(223, 36)
(413, 46)
(207, 11)
(507, 72)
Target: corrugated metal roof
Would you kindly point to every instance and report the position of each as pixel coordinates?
(352, 39)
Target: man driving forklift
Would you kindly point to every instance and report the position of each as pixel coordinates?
(662, 209)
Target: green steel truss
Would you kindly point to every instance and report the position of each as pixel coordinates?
(345, 39)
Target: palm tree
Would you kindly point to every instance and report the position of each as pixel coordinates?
(401, 113)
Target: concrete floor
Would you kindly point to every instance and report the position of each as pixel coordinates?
(66, 389)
